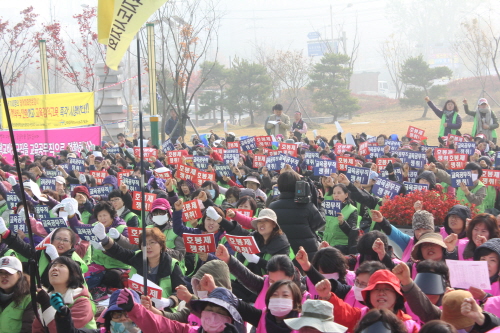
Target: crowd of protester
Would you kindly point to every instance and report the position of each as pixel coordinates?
(317, 269)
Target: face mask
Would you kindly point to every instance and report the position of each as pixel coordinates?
(280, 307)
(474, 177)
(334, 276)
(160, 219)
(357, 293)
(483, 110)
(127, 327)
(214, 322)
(212, 193)
(21, 212)
(64, 215)
(202, 294)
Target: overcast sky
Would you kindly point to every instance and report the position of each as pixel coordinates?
(275, 24)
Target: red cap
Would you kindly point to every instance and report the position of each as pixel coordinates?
(80, 189)
(161, 204)
(414, 141)
(382, 276)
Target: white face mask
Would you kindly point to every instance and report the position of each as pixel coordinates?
(160, 219)
(202, 294)
(64, 215)
(357, 293)
(280, 307)
(474, 177)
(334, 276)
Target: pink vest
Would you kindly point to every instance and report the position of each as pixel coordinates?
(412, 315)
(495, 289)
(260, 302)
(443, 232)
(261, 328)
(194, 320)
(492, 305)
(350, 277)
(462, 243)
(352, 301)
(413, 271)
(407, 252)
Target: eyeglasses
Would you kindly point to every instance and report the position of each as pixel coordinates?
(62, 240)
(360, 285)
(118, 314)
(115, 199)
(152, 243)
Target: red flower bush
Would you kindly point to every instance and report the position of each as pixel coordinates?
(399, 210)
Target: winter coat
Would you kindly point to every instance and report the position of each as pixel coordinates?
(299, 222)
(79, 302)
(276, 245)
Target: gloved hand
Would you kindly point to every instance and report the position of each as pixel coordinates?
(68, 208)
(12, 181)
(389, 167)
(3, 227)
(113, 233)
(82, 179)
(51, 251)
(56, 300)
(252, 258)
(212, 213)
(96, 245)
(125, 300)
(43, 299)
(100, 231)
(164, 303)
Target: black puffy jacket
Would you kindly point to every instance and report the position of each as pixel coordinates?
(299, 222)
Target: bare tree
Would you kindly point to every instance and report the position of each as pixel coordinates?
(187, 35)
(395, 51)
(75, 60)
(17, 47)
(475, 49)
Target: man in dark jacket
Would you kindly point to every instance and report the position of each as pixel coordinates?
(299, 222)
(170, 125)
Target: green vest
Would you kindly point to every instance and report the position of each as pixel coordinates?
(463, 199)
(333, 234)
(266, 257)
(443, 120)
(101, 258)
(165, 283)
(131, 215)
(220, 199)
(91, 325)
(491, 196)
(3, 208)
(11, 318)
(86, 217)
(223, 185)
(44, 262)
(474, 128)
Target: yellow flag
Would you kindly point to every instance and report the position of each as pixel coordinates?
(105, 10)
(128, 18)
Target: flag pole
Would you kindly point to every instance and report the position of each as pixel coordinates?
(35, 275)
(141, 181)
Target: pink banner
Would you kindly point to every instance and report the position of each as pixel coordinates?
(49, 142)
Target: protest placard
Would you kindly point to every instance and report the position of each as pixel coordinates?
(199, 243)
(137, 200)
(243, 244)
(191, 211)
